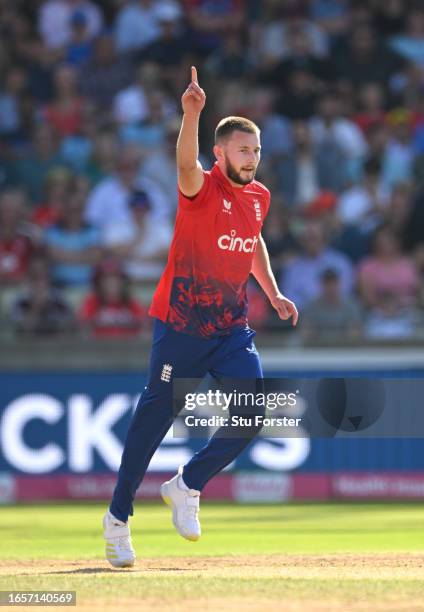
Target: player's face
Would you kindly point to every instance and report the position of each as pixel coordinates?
(241, 155)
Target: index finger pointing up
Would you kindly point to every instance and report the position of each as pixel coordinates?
(194, 74)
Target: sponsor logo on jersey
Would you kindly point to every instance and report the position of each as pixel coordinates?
(233, 242)
(227, 206)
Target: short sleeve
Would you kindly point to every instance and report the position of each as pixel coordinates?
(200, 201)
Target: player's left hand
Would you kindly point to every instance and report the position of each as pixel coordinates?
(285, 308)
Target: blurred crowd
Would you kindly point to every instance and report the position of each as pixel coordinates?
(89, 115)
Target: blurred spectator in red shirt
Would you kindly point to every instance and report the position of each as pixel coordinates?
(110, 311)
(371, 101)
(16, 244)
(65, 113)
(56, 186)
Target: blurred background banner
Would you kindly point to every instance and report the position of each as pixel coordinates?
(62, 435)
(89, 116)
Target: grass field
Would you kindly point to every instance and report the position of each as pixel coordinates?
(255, 557)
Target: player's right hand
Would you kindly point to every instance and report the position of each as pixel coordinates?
(194, 98)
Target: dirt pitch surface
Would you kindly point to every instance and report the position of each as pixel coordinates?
(327, 579)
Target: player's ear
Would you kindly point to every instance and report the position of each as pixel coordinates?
(218, 152)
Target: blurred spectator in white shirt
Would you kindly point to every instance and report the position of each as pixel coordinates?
(330, 126)
(364, 203)
(137, 23)
(130, 104)
(55, 20)
(142, 242)
(108, 203)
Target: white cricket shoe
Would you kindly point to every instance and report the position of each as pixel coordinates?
(185, 506)
(119, 550)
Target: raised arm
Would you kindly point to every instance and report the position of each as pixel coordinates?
(190, 173)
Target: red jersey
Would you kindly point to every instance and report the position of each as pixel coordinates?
(202, 291)
(15, 254)
(120, 319)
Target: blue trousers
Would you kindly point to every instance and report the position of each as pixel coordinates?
(226, 357)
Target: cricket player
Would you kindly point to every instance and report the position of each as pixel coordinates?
(200, 310)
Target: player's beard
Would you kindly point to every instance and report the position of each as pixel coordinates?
(236, 176)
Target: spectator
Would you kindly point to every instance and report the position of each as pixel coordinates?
(330, 127)
(55, 20)
(309, 169)
(399, 154)
(410, 44)
(142, 244)
(110, 311)
(378, 137)
(43, 155)
(209, 22)
(298, 99)
(331, 316)
(150, 134)
(130, 104)
(73, 246)
(40, 310)
(17, 243)
(104, 154)
(371, 102)
(77, 149)
(387, 270)
(276, 136)
(300, 278)
(105, 75)
(389, 17)
(331, 16)
(56, 187)
(160, 166)
(137, 23)
(398, 212)
(10, 103)
(229, 61)
(273, 44)
(392, 320)
(301, 57)
(65, 113)
(108, 203)
(80, 46)
(365, 60)
(364, 203)
(170, 49)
